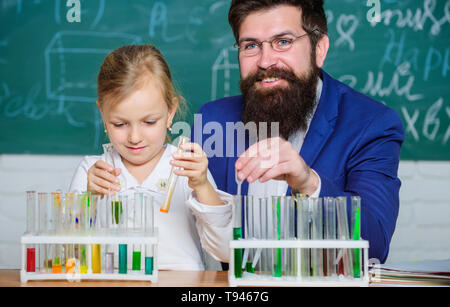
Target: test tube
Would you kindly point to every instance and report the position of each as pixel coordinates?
(316, 234)
(94, 223)
(31, 230)
(138, 207)
(248, 232)
(172, 181)
(303, 233)
(57, 219)
(290, 256)
(121, 217)
(237, 234)
(343, 234)
(149, 229)
(70, 259)
(276, 219)
(45, 256)
(68, 221)
(355, 233)
(330, 233)
(259, 259)
(149, 259)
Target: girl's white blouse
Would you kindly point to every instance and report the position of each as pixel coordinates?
(187, 227)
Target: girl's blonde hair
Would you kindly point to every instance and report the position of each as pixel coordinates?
(128, 68)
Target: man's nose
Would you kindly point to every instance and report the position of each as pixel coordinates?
(267, 56)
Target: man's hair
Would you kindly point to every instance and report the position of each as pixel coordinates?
(314, 20)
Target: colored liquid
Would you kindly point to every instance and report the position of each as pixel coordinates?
(117, 211)
(83, 262)
(136, 261)
(70, 266)
(83, 269)
(109, 263)
(249, 268)
(277, 270)
(149, 265)
(237, 234)
(96, 259)
(48, 265)
(31, 260)
(57, 266)
(122, 259)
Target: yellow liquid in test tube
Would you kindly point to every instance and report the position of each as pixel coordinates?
(172, 180)
(96, 260)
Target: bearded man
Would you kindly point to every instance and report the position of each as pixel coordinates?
(332, 141)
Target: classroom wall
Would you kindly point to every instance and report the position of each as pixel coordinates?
(423, 227)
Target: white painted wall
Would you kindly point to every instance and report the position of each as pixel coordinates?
(423, 227)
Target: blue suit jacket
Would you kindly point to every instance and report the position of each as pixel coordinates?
(353, 143)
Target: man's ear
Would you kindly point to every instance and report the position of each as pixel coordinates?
(322, 50)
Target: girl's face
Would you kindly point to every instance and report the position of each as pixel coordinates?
(137, 125)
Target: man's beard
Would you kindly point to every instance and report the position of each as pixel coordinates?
(290, 106)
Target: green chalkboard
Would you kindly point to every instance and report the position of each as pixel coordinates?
(48, 65)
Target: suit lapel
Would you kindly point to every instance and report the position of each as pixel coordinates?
(322, 124)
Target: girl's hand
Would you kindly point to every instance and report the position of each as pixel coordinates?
(194, 164)
(102, 179)
(195, 167)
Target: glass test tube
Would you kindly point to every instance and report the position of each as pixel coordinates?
(316, 234)
(137, 214)
(237, 234)
(290, 256)
(84, 217)
(260, 226)
(45, 255)
(58, 230)
(345, 263)
(68, 209)
(172, 181)
(303, 233)
(121, 218)
(355, 233)
(276, 219)
(148, 229)
(94, 226)
(330, 234)
(31, 230)
(248, 232)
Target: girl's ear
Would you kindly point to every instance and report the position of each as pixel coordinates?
(101, 114)
(172, 111)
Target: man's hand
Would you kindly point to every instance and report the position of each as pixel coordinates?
(276, 159)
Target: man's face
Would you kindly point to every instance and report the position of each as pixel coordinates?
(284, 21)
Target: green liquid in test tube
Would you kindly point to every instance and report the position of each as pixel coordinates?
(277, 265)
(136, 261)
(356, 223)
(237, 234)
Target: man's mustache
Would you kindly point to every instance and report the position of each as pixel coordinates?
(278, 73)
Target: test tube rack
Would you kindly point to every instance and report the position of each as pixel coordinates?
(88, 240)
(252, 279)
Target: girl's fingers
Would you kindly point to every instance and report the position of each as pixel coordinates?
(105, 175)
(188, 165)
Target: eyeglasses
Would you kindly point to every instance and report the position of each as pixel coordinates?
(279, 44)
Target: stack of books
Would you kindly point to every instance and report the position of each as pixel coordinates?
(419, 273)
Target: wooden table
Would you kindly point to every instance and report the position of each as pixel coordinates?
(11, 278)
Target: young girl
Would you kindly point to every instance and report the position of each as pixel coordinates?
(137, 102)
